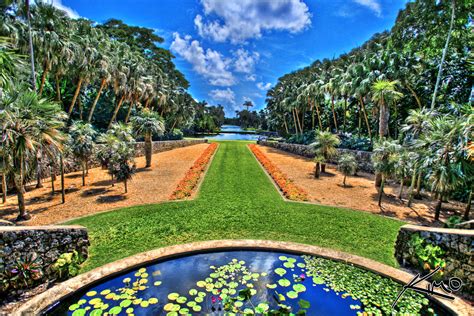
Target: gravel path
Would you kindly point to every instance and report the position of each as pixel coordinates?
(147, 186)
(359, 194)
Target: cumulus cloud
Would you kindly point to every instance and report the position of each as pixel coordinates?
(224, 95)
(209, 63)
(245, 61)
(238, 21)
(251, 77)
(264, 86)
(70, 12)
(373, 5)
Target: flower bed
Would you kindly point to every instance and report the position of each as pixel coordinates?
(188, 183)
(286, 185)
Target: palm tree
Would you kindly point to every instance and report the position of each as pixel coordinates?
(121, 164)
(28, 123)
(248, 104)
(384, 159)
(319, 160)
(384, 93)
(147, 123)
(347, 165)
(82, 144)
(325, 145)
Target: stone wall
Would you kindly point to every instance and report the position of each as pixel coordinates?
(46, 243)
(363, 157)
(458, 245)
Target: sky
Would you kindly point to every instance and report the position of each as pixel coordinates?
(235, 50)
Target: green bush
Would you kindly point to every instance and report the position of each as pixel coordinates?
(67, 265)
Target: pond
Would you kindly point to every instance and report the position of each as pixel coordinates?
(239, 134)
(242, 282)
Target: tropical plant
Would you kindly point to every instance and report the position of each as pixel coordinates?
(347, 165)
(146, 124)
(384, 159)
(82, 144)
(28, 124)
(121, 164)
(67, 265)
(325, 145)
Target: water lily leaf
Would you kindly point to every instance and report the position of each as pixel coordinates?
(91, 293)
(201, 284)
(191, 303)
(144, 304)
(199, 299)
(197, 308)
(288, 265)
(271, 286)
(304, 304)
(318, 280)
(173, 296)
(292, 294)
(115, 310)
(280, 271)
(157, 283)
(282, 258)
(129, 310)
(284, 282)
(299, 287)
(79, 312)
(126, 280)
(105, 292)
(193, 292)
(96, 312)
(181, 300)
(126, 303)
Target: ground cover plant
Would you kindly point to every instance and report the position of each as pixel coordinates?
(237, 201)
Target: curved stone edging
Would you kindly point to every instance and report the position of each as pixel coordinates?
(60, 291)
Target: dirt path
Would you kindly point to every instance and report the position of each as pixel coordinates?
(359, 194)
(147, 186)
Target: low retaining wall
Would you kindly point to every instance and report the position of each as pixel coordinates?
(46, 243)
(363, 158)
(458, 245)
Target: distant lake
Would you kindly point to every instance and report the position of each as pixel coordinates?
(228, 135)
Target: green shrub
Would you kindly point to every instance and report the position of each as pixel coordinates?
(429, 256)
(67, 265)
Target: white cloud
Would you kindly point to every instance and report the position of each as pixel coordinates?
(208, 63)
(251, 77)
(373, 5)
(245, 61)
(264, 86)
(238, 21)
(225, 95)
(70, 12)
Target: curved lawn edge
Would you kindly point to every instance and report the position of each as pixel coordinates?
(62, 290)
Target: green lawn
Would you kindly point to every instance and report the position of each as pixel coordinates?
(237, 200)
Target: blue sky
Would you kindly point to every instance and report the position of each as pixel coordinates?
(234, 50)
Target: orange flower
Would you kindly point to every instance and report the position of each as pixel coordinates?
(191, 178)
(286, 185)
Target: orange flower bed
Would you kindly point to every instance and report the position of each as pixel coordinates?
(188, 183)
(286, 185)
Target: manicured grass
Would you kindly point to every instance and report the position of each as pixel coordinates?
(237, 201)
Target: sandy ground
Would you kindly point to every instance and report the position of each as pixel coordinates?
(360, 193)
(147, 186)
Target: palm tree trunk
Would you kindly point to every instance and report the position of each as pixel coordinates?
(20, 188)
(383, 120)
(412, 187)
(39, 184)
(323, 167)
(174, 124)
(333, 112)
(58, 88)
(51, 172)
(117, 108)
(83, 165)
(365, 118)
(61, 166)
(319, 116)
(359, 128)
(438, 206)
(317, 170)
(294, 120)
(417, 98)
(468, 207)
(43, 80)
(443, 57)
(4, 188)
(298, 121)
(148, 149)
(312, 117)
(91, 112)
(344, 181)
(76, 94)
(147, 103)
(418, 185)
(345, 112)
(286, 125)
(30, 44)
(125, 185)
(132, 104)
(382, 184)
(401, 188)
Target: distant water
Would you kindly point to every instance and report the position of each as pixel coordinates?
(233, 136)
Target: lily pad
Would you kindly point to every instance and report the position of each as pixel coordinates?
(280, 271)
(284, 282)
